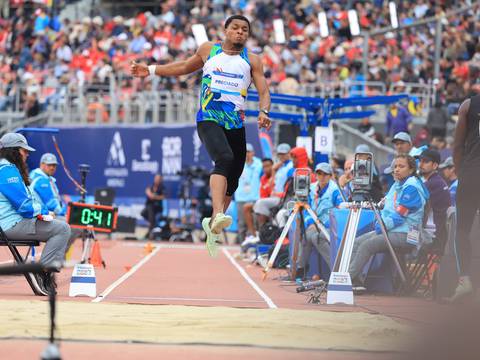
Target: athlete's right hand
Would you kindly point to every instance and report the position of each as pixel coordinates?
(139, 69)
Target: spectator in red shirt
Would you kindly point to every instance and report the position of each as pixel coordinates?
(266, 188)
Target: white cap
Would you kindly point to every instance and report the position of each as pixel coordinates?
(13, 140)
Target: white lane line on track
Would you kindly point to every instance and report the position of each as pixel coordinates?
(181, 246)
(252, 283)
(180, 299)
(125, 276)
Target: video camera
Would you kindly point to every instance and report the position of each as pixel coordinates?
(362, 176)
(301, 184)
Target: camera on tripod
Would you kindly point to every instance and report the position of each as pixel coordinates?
(362, 174)
(301, 184)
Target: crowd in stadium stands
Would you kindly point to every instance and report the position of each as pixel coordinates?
(45, 56)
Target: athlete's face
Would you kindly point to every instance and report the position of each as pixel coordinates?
(237, 32)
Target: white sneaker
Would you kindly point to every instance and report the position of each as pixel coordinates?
(212, 239)
(463, 289)
(262, 260)
(250, 240)
(220, 222)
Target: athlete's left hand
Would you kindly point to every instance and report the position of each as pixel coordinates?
(264, 121)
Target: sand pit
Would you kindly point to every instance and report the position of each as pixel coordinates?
(278, 328)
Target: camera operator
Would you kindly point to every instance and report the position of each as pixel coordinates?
(45, 190)
(21, 216)
(376, 192)
(154, 204)
(402, 215)
(324, 196)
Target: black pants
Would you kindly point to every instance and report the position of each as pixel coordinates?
(228, 150)
(468, 201)
(150, 214)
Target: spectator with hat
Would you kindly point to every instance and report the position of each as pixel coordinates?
(44, 185)
(21, 216)
(264, 206)
(450, 176)
(248, 191)
(324, 196)
(45, 190)
(439, 196)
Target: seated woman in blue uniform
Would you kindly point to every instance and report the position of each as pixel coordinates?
(24, 218)
(402, 215)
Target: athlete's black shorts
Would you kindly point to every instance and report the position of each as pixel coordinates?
(227, 148)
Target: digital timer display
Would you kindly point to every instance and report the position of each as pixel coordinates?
(92, 217)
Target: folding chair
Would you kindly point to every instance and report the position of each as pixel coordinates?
(12, 246)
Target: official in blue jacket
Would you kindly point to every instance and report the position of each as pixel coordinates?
(44, 185)
(21, 216)
(44, 188)
(402, 214)
(324, 196)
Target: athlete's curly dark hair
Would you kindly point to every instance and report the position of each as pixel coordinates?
(238, 17)
(13, 155)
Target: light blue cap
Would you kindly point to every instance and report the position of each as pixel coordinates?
(324, 167)
(49, 159)
(283, 148)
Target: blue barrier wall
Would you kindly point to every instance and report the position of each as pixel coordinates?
(127, 158)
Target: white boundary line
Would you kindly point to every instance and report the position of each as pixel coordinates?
(191, 246)
(180, 299)
(252, 283)
(125, 276)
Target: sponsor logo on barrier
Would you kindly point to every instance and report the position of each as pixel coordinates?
(172, 157)
(116, 155)
(145, 165)
(116, 160)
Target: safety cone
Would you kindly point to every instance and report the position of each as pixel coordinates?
(95, 256)
(149, 247)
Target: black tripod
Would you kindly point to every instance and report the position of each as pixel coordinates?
(88, 236)
(51, 352)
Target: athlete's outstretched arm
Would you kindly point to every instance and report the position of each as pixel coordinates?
(263, 92)
(176, 68)
(460, 134)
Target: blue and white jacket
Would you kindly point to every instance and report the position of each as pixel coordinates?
(322, 201)
(404, 205)
(16, 200)
(45, 190)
